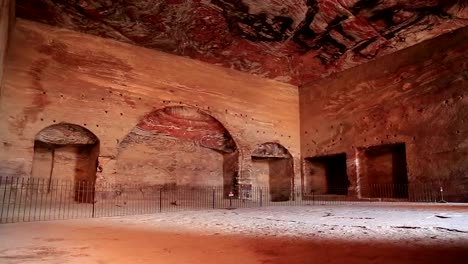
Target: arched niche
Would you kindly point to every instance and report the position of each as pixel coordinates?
(178, 145)
(272, 167)
(67, 152)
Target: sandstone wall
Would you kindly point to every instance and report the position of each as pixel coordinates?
(7, 17)
(418, 97)
(54, 75)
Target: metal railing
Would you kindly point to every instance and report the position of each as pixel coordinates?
(24, 199)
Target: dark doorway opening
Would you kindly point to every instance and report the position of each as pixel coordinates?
(327, 174)
(385, 171)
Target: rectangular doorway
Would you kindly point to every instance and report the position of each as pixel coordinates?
(383, 172)
(327, 174)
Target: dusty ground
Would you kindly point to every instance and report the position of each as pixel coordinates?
(307, 234)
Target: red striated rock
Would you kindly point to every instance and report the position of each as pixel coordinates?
(188, 124)
(294, 41)
(66, 134)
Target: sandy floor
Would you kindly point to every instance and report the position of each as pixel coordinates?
(308, 234)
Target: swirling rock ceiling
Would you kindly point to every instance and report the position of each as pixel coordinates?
(295, 41)
(185, 123)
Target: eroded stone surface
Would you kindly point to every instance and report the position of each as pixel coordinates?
(294, 41)
(416, 97)
(146, 107)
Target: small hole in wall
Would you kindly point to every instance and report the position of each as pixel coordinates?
(365, 140)
(305, 132)
(414, 138)
(281, 134)
(117, 140)
(180, 102)
(258, 131)
(61, 95)
(208, 108)
(97, 125)
(263, 132)
(110, 91)
(289, 136)
(225, 110)
(458, 131)
(84, 124)
(139, 98)
(120, 94)
(106, 111)
(121, 114)
(102, 99)
(54, 121)
(341, 139)
(42, 119)
(44, 92)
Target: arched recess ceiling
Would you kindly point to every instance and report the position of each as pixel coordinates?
(188, 124)
(66, 134)
(294, 41)
(271, 150)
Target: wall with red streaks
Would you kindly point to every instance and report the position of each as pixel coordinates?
(178, 145)
(123, 94)
(417, 97)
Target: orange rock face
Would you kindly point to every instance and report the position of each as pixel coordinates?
(159, 118)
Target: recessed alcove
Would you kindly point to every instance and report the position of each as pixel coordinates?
(272, 167)
(67, 152)
(383, 171)
(326, 174)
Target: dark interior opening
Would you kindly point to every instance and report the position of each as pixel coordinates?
(327, 174)
(386, 171)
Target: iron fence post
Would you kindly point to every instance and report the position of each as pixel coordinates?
(214, 197)
(313, 197)
(261, 197)
(160, 199)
